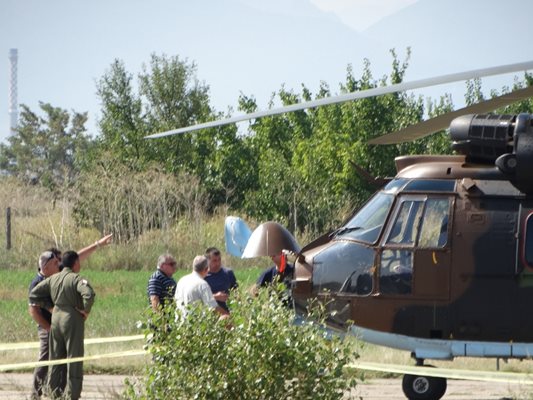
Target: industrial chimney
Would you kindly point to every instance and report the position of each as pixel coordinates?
(13, 101)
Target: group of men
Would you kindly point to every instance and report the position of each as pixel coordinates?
(209, 282)
(60, 301)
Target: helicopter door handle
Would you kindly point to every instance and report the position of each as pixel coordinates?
(476, 218)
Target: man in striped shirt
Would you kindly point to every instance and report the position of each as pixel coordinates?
(161, 285)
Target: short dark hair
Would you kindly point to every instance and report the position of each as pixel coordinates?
(69, 259)
(212, 251)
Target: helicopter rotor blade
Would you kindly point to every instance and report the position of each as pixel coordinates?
(399, 87)
(441, 122)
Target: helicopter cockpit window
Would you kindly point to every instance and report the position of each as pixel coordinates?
(430, 185)
(422, 222)
(344, 267)
(395, 185)
(396, 272)
(366, 225)
(434, 229)
(406, 223)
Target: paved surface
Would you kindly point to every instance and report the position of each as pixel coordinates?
(389, 389)
(97, 387)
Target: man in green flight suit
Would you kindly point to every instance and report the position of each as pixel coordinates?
(71, 298)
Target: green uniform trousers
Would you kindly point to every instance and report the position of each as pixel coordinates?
(66, 341)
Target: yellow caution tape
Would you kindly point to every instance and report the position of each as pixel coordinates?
(25, 365)
(487, 376)
(35, 345)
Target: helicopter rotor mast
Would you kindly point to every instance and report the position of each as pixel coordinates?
(399, 87)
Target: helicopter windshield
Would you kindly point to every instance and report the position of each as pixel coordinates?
(366, 225)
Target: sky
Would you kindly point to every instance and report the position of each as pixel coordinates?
(361, 14)
(251, 47)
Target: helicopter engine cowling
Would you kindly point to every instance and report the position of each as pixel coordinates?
(503, 140)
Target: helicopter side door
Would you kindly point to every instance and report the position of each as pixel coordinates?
(414, 265)
(415, 256)
(524, 269)
(524, 259)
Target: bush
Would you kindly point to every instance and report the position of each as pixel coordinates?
(263, 355)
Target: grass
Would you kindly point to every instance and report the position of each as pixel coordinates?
(119, 273)
(120, 302)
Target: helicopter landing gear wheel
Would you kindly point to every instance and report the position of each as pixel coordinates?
(417, 387)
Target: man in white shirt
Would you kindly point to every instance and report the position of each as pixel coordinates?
(193, 287)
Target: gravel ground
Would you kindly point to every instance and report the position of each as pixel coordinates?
(17, 387)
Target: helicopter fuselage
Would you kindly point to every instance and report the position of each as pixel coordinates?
(439, 263)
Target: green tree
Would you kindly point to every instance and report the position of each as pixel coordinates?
(297, 168)
(523, 106)
(272, 141)
(169, 96)
(122, 126)
(173, 97)
(305, 171)
(45, 148)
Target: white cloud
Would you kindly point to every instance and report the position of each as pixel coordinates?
(361, 14)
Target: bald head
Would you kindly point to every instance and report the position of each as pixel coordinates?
(199, 264)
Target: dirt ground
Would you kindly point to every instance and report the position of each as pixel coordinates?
(97, 387)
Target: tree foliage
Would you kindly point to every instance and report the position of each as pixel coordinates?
(169, 96)
(300, 168)
(306, 177)
(44, 149)
(122, 126)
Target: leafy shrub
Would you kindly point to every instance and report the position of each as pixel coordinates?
(262, 355)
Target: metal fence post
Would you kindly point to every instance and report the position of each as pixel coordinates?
(8, 228)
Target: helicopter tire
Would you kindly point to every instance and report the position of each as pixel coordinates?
(416, 387)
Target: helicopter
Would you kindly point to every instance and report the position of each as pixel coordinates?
(439, 262)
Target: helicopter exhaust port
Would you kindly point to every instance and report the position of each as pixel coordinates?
(505, 140)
